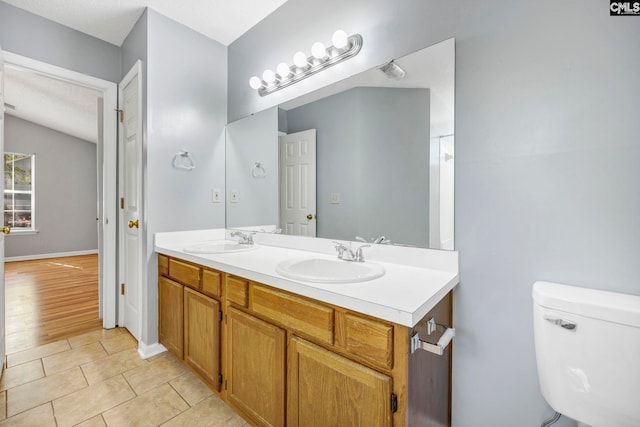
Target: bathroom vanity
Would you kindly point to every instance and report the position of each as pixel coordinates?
(283, 352)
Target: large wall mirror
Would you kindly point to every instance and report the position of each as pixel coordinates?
(368, 158)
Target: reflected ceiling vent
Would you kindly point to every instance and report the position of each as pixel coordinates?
(393, 70)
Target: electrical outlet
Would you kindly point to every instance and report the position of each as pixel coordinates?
(335, 198)
(216, 195)
(233, 195)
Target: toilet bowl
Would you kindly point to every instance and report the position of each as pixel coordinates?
(587, 345)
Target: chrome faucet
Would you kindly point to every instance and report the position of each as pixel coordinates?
(347, 254)
(243, 238)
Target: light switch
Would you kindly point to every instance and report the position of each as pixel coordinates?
(215, 195)
(335, 198)
(233, 196)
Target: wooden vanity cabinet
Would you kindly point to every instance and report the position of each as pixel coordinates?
(189, 318)
(287, 360)
(171, 315)
(256, 368)
(326, 389)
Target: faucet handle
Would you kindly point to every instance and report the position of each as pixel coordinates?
(340, 248)
(359, 256)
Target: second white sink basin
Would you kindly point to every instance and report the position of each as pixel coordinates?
(218, 247)
(322, 270)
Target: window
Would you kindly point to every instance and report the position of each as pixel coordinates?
(19, 194)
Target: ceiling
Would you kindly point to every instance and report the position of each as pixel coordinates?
(56, 104)
(72, 109)
(111, 20)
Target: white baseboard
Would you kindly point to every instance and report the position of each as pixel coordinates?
(54, 255)
(146, 351)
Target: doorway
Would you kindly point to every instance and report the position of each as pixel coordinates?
(107, 169)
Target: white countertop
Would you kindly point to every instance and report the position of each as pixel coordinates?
(403, 295)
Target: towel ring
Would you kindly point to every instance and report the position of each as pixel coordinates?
(183, 160)
(258, 171)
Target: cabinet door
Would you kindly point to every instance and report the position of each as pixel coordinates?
(202, 335)
(170, 315)
(325, 389)
(256, 368)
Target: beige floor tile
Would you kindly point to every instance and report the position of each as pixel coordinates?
(75, 357)
(191, 388)
(37, 352)
(94, 336)
(151, 375)
(41, 416)
(211, 412)
(91, 401)
(96, 421)
(112, 365)
(21, 374)
(3, 405)
(118, 343)
(37, 392)
(149, 409)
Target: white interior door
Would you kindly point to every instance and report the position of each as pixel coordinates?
(2, 325)
(131, 220)
(298, 183)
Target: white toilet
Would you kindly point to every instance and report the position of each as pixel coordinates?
(588, 353)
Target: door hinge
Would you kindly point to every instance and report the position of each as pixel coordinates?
(220, 315)
(220, 379)
(121, 115)
(121, 288)
(394, 403)
(121, 202)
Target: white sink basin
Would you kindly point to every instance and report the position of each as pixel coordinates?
(322, 270)
(218, 247)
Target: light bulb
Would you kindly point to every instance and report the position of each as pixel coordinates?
(300, 59)
(283, 69)
(339, 39)
(318, 50)
(255, 82)
(268, 76)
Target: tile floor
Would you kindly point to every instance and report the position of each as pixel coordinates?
(98, 379)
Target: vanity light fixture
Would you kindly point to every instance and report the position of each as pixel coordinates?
(344, 47)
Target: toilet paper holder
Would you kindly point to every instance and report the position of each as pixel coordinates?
(440, 346)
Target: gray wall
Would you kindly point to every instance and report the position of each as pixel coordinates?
(547, 146)
(66, 190)
(253, 139)
(29, 35)
(186, 109)
(373, 149)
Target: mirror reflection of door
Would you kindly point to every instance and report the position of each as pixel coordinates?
(298, 183)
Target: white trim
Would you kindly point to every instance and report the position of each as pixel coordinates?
(147, 351)
(108, 216)
(53, 255)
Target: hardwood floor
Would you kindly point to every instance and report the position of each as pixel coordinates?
(50, 299)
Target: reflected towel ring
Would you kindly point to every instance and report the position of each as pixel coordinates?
(258, 171)
(183, 160)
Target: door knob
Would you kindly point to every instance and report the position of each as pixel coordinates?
(5, 229)
(135, 224)
(310, 217)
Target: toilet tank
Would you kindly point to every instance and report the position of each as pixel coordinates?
(587, 346)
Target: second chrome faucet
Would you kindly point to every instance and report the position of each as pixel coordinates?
(346, 253)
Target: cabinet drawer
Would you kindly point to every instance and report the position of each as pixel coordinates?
(294, 312)
(211, 283)
(370, 339)
(184, 273)
(163, 265)
(237, 290)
